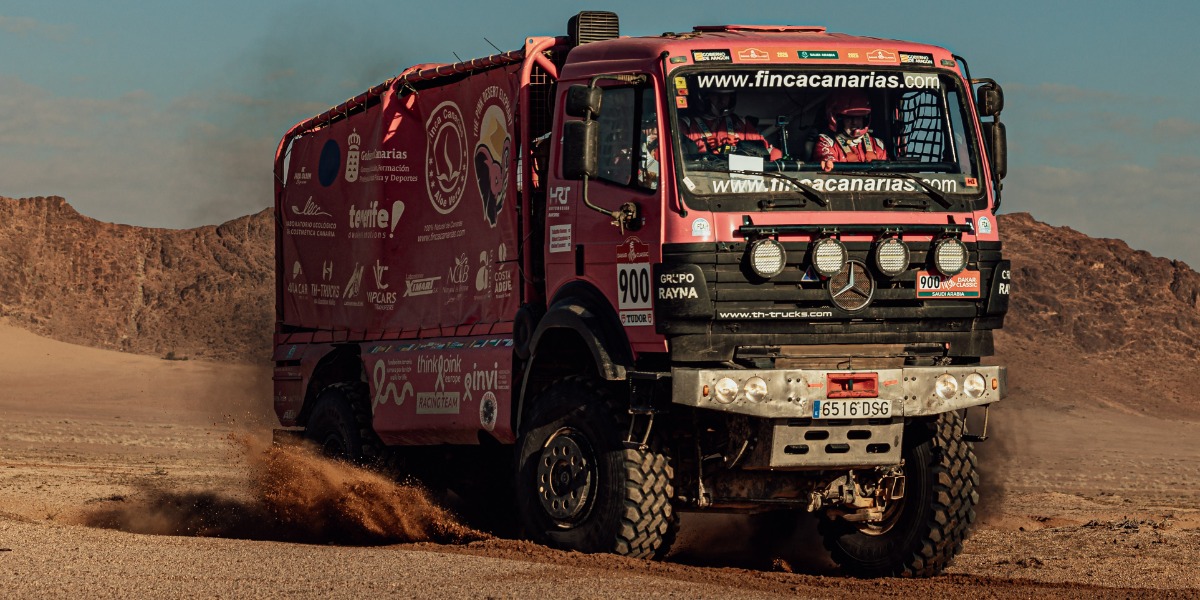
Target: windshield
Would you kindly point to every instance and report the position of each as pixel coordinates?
(866, 139)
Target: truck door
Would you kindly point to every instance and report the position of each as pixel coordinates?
(583, 243)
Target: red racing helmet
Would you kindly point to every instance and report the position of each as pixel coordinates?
(847, 103)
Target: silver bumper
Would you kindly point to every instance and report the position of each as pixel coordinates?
(791, 392)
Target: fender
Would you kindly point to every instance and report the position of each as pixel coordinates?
(583, 312)
(581, 308)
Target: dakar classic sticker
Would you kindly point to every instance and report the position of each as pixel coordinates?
(936, 285)
(753, 55)
(882, 56)
(493, 149)
(445, 157)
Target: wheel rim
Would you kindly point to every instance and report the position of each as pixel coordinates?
(891, 515)
(566, 477)
(333, 447)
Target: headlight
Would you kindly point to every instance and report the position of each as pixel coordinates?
(725, 390)
(829, 257)
(950, 256)
(891, 257)
(946, 386)
(974, 385)
(756, 389)
(767, 258)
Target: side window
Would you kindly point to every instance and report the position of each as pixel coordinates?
(923, 132)
(648, 167)
(629, 137)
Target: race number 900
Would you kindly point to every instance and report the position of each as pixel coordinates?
(633, 286)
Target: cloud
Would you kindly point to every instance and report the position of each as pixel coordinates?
(26, 27)
(1151, 207)
(128, 160)
(1177, 129)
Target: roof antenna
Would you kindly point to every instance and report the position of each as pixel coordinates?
(493, 45)
(456, 56)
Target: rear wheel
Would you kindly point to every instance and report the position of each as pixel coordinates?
(340, 424)
(579, 487)
(923, 531)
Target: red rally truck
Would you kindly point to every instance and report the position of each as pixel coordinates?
(600, 280)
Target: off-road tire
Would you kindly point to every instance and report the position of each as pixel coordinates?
(628, 490)
(936, 515)
(340, 425)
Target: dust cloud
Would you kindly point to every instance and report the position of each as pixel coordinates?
(291, 495)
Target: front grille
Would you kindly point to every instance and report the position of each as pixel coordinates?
(735, 290)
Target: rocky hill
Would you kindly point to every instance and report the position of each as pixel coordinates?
(208, 292)
(196, 293)
(1098, 295)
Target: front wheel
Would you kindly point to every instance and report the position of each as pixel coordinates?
(580, 488)
(923, 531)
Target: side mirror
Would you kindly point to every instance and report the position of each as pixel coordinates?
(583, 100)
(989, 99)
(581, 149)
(997, 142)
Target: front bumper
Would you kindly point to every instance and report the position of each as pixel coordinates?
(791, 392)
(791, 436)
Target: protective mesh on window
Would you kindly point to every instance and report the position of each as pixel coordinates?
(922, 136)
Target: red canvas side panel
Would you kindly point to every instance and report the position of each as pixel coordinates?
(403, 216)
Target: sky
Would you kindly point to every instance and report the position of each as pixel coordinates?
(167, 114)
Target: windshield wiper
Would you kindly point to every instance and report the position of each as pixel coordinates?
(801, 187)
(933, 192)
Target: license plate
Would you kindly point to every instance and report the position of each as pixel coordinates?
(852, 409)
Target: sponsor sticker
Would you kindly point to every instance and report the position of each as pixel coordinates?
(493, 146)
(971, 182)
(715, 56)
(560, 238)
(985, 225)
(916, 58)
(946, 62)
(488, 408)
(353, 141)
(446, 157)
(634, 292)
(879, 55)
(753, 55)
(936, 285)
(701, 228)
(817, 54)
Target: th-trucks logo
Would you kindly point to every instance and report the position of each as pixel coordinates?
(445, 157)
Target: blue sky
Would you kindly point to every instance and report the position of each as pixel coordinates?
(166, 114)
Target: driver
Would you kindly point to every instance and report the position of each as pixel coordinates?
(849, 138)
(717, 130)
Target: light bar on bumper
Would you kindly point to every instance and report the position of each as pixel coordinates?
(791, 392)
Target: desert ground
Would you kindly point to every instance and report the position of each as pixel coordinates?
(125, 475)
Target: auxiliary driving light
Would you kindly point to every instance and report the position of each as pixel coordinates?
(946, 386)
(756, 389)
(974, 385)
(891, 257)
(767, 258)
(828, 257)
(725, 390)
(949, 256)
